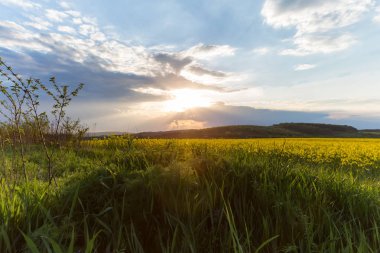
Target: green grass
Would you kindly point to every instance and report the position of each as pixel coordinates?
(189, 196)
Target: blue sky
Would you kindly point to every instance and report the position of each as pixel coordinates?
(159, 65)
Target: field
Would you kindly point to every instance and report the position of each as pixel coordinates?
(142, 195)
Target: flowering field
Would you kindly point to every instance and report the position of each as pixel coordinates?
(352, 153)
(121, 194)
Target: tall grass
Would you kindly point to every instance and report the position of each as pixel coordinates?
(193, 196)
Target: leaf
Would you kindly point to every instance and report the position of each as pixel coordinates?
(265, 243)
(31, 245)
(56, 247)
(72, 240)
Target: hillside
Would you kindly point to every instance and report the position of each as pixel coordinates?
(278, 130)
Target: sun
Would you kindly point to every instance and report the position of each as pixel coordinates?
(183, 99)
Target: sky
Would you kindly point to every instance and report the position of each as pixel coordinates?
(152, 65)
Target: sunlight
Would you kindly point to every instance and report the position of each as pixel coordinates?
(184, 99)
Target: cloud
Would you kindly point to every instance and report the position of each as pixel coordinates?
(38, 23)
(310, 16)
(87, 29)
(301, 67)
(189, 63)
(107, 116)
(72, 38)
(208, 52)
(222, 115)
(201, 71)
(152, 91)
(314, 21)
(121, 75)
(92, 48)
(24, 4)
(261, 50)
(324, 44)
(16, 37)
(101, 85)
(55, 15)
(66, 29)
(197, 73)
(376, 18)
(73, 13)
(172, 62)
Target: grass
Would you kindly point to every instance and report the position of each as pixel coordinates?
(125, 195)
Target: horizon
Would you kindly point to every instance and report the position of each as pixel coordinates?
(172, 65)
(222, 126)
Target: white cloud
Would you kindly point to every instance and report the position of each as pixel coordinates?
(55, 15)
(77, 21)
(207, 52)
(315, 19)
(16, 28)
(38, 23)
(98, 36)
(376, 18)
(17, 37)
(92, 31)
(87, 29)
(78, 38)
(110, 55)
(314, 44)
(24, 4)
(66, 29)
(301, 67)
(261, 50)
(94, 47)
(309, 16)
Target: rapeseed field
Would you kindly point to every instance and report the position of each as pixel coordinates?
(121, 194)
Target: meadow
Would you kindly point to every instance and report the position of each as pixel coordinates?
(121, 194)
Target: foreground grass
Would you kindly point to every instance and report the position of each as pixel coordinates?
(121, 195)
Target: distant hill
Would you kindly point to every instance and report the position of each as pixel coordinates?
(252, 131)
(318, 129)
(279, 130)
(373, 132)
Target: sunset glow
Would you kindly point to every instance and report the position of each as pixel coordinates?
(184, 99)
(222, 63)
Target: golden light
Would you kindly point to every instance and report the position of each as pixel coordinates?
(184, 99)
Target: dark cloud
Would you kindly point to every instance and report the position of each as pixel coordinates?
(284, 5)
(175, 62)
(205, 48)
(222, 115)
(178, 62)
(112, 70)
(100, 85)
